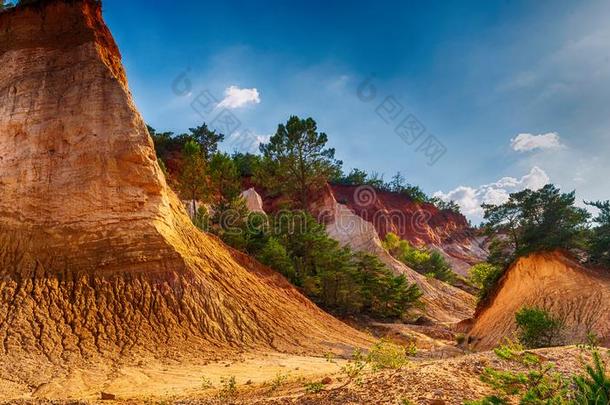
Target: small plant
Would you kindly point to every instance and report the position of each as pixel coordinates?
(314, 387)
(330, 358)
(509, 349)
(491, 400)
(538, 328)
(206, 383)
(539, 384)
(278, 381)
(229, 387)
(593, 388)
(592, 342)
(386, 355)
(383, 355)
(354, 368)
(460, 338)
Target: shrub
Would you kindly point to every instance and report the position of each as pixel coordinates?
(229, 387)
(594, 387)
(539, 384)
(206, 383)
(538, 328)
(383, 355)
(278, 381)
(314, 387)
(430, 263)
(386, 355)
(460, 338)
(354, 368)
(484, 276)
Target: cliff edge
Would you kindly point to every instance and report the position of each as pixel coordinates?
(98, 259)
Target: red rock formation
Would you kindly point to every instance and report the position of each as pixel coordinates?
(420, 224)
(397, 213)
(97, 255)
(443, 302)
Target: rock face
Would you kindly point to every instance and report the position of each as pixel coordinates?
(578, 296)
(420, 224)
(254, 201)
(97, 255)
(443, 302)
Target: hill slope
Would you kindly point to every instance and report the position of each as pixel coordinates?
(581, 297)
(421, 224)
(443, 302)
(98, 258)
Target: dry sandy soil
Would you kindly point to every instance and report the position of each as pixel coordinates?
(267, 378)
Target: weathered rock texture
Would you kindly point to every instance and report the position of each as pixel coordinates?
(97, 256)
(254, 201)
(443, 302)
(421, 224)
(578, 296)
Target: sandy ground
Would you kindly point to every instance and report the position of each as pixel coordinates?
(267, 378)
(158, 382)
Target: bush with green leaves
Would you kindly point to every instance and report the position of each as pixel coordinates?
(314, 387)
(538, 328)
(229, 387)
(384, 355)
(538, 384)
(424, 261)
(593, 387)
(484, 276)
(275, 255)
(387, 355)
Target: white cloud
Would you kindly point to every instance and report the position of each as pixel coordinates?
(246, 141)
(236, 97)
(470, 199)
(529, 142)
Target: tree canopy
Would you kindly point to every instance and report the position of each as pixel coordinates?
(207, 139)
(599, 241)
(297, 162)
(540, 220)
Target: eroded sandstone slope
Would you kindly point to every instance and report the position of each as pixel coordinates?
(578, 296)
(421, 224)
(98, 258)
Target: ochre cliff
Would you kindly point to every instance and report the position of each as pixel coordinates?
(97, 256)
(578, 296)
(421, 224)
(442, 302)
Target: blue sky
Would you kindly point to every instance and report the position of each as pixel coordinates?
(517, 92)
